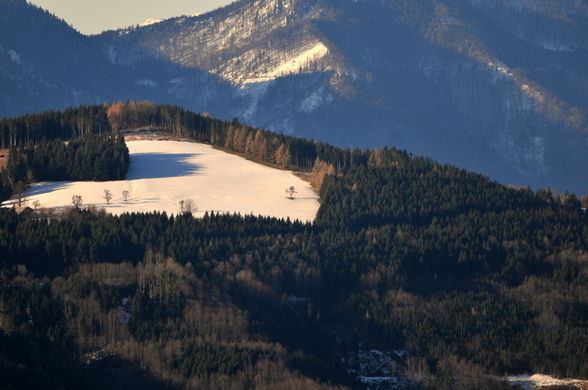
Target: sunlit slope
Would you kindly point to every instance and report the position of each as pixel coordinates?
(163, 173)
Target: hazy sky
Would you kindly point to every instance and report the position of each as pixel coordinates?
(94, 16)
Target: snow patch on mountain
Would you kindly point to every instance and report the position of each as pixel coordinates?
(499, 68)
(147, 83)
(255, 92)
(14, 57)
(535, 381)
(124, 315)
(375, 368)
(293, 64)
(552, 46)
(150, 21)
(111, 54)
(315, 100)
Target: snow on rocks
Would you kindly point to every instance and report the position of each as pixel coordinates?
(315, 100)
(125, 315)
(15, 57)
(375, 368)
(147, 83)
(150, 21)
(163, 173)
(401, 354)
(538, 381)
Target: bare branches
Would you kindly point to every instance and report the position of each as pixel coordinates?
(187, 206)
(107, 196)
(77, 201)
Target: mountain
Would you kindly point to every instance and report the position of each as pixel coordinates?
(493, 86)
(49, 65)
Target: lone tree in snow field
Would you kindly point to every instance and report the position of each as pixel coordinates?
(125, 195)
(76, 200)
(291, 191)
(107, 195)
(187, 206)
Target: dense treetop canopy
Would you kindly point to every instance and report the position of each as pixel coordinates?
(469, 276)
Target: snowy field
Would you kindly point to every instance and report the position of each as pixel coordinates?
(162, 173)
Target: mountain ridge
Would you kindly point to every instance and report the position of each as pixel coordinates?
(430, 76)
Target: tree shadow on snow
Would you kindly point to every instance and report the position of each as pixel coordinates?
(44, 188)
(161, 165)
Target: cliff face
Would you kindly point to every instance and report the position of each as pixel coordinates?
(494, 86)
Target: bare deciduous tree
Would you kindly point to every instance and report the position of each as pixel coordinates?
(291, 191)
(107, 196)
(125, 195)
(77, 201)
(36, 204)
(187, 206)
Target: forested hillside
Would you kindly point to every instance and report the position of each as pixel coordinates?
(89, 158)
(93, 158)
(256, 144)
(468, 276)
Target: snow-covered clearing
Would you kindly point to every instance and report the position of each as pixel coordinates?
(537, 381)
(162, 173)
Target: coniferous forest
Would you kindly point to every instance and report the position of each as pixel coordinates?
(468, 276)
(92, 157)
(97, 158)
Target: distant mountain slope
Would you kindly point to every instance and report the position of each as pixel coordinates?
(244, 42)
(45, 63)
(493, 86)
(461, 81)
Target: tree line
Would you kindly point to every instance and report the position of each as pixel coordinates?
(471, 276)
(280, 150)
(97, 158)
(93, 158)
(72, 123)
(257, 144)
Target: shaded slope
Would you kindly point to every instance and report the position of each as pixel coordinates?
(49, 65)
(430, 76)
(495, 87)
